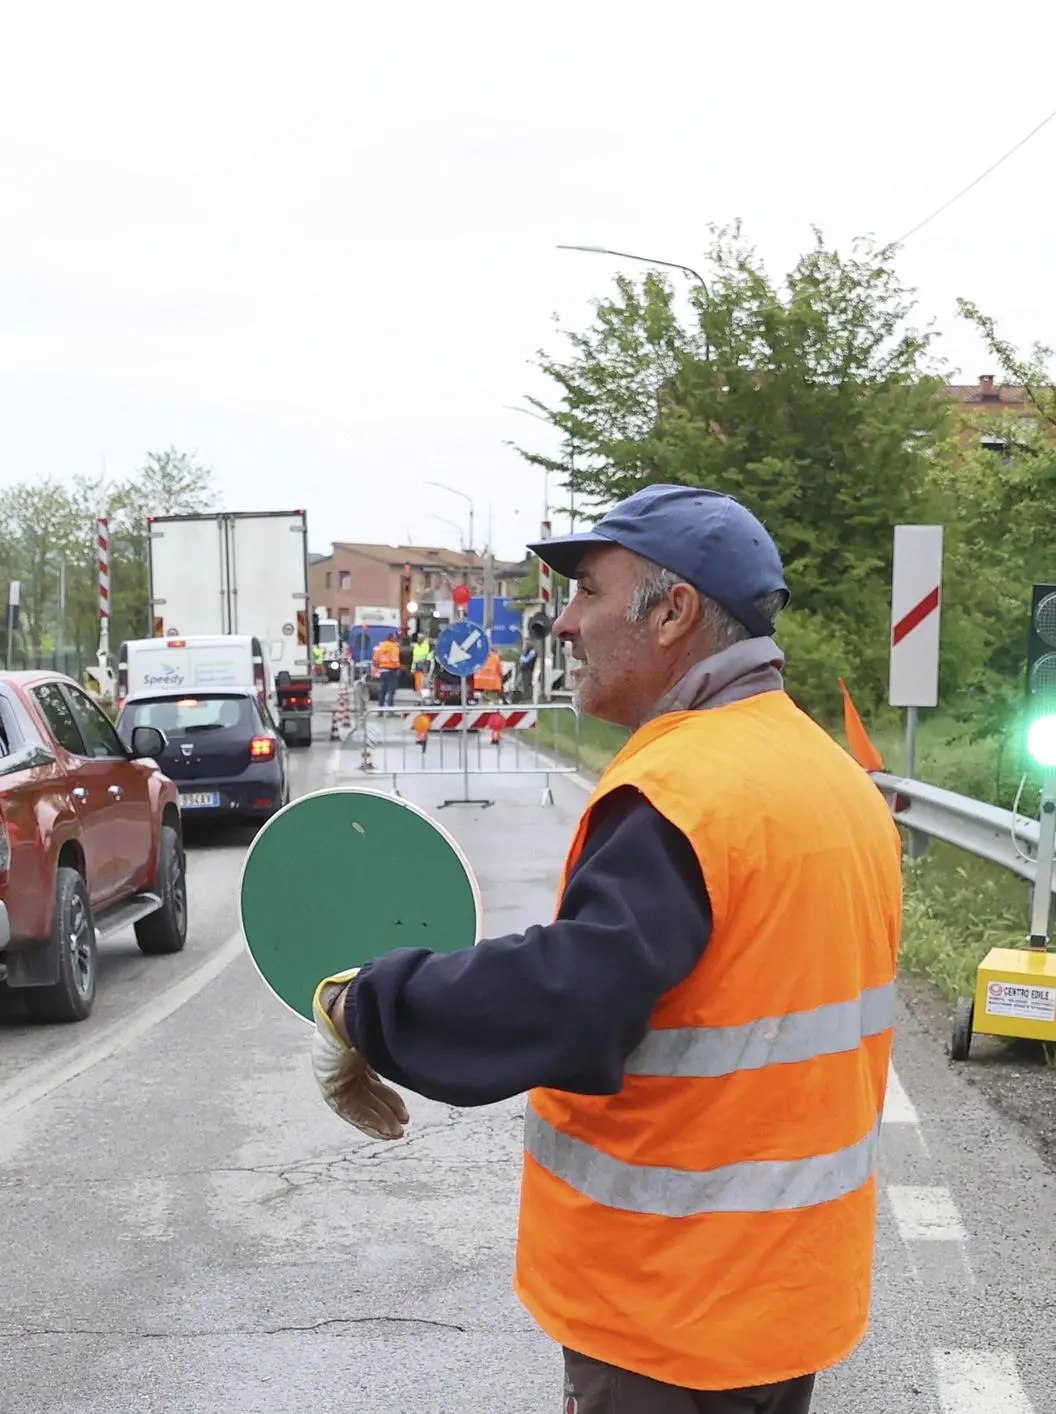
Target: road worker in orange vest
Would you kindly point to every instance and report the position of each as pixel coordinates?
(705, 1027)
(386, 657)
(489, 677)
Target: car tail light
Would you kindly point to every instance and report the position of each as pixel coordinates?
(262, 748)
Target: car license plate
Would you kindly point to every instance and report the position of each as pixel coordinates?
(199, 800)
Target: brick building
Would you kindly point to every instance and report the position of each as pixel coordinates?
(355, 574)
(985, 401)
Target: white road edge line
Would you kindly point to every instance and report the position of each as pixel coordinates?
(926, 1214)
(40, 1080)
(898, 1107)
(979, 1382)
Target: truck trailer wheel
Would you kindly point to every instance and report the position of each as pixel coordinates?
(166, 930)
(72, 997)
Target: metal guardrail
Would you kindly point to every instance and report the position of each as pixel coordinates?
(987, 831)
(390, 746)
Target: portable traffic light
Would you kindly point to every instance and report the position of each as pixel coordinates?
(1041, 677)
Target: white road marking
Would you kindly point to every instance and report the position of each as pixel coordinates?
(36, 1081)
(926, 1214)
(333, 767)
(898, 1107)
(979, 1382)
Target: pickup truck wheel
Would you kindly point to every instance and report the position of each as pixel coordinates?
(73, 937)
(166, 930)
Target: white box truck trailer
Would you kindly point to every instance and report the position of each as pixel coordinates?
(240, 572)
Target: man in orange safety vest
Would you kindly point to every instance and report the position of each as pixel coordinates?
(705, 1027)
(489, 678)
(386, 657)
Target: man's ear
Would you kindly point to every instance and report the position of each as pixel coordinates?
(680, 615)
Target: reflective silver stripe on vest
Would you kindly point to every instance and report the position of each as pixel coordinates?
(710, 1051)
(764, 1186)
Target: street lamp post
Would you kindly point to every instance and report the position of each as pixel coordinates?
(455, 492)
(647, 260)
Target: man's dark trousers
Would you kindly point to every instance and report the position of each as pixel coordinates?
(390, 678)
(594, 1388)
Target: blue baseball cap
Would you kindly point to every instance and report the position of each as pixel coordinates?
(709, 539)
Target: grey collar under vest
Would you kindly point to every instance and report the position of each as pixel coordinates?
(742, 670)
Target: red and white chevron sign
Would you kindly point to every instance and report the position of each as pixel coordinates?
(478, 719)
(916, 593)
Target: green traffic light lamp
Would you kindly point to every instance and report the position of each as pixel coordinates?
(1041, 741)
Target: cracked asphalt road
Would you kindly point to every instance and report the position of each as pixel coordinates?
(188, 1227)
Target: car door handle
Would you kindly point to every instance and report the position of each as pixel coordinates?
(79, 793)
(116, 791)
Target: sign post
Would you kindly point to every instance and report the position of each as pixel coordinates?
(461, 649)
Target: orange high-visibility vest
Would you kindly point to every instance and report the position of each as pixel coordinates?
(387, 655)
(712, 1225)
(489, 677)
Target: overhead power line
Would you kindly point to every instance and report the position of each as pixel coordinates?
(981, 177)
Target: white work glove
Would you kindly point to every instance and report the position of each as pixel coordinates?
(349, 1086)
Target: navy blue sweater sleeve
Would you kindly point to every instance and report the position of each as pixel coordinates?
(562, 1005)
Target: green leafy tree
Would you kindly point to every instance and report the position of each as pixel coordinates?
(169, 483)
(48, 541)
(815, 404)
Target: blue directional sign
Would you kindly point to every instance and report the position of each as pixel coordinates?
(505, 620)
(462, 648)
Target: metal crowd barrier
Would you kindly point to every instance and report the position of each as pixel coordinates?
(534, 739)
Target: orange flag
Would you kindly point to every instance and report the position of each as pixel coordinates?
(861, 748)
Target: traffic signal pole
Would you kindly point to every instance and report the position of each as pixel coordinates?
(1041, 904)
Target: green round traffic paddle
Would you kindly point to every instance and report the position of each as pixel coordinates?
(341, 876)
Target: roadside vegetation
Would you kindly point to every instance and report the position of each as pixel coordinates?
(819, 401)
(48, 544)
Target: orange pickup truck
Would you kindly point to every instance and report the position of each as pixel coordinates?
(90, 843)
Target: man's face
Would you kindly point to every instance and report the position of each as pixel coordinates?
(615, 661)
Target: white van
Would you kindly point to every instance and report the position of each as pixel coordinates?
(195, 663)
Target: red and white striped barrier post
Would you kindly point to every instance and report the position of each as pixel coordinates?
(103, 557)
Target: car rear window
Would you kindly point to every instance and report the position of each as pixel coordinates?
(192, 716)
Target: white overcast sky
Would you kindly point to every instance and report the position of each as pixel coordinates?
(314, 243)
